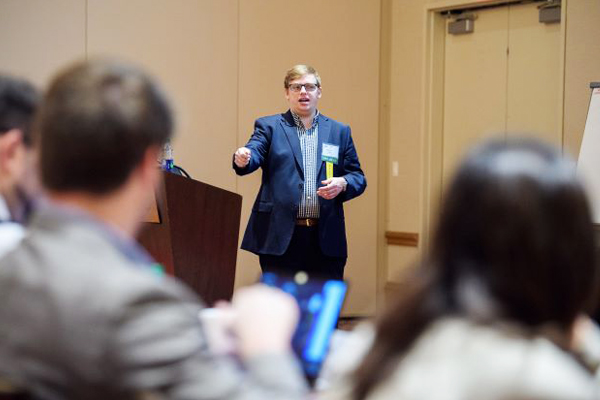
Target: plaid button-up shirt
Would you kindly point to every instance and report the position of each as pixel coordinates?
(309, 141)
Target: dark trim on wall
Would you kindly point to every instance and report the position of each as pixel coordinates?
(408, 239)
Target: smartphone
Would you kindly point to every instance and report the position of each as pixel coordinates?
(320, 303)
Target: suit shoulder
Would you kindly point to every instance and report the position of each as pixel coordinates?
(94, 268)
(270, 119)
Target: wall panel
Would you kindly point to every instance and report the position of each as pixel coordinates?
(191, 46)
(37, 36)
(534, 78)
(341, 40)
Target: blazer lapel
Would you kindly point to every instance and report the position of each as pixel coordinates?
(291, 134)
(324, 129)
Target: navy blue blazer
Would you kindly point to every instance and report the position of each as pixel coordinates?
(276, 149)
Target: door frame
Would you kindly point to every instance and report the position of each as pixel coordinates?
(433, 103)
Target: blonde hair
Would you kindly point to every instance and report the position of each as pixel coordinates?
(298, 71)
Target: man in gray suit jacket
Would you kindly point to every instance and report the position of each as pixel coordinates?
(83, 315)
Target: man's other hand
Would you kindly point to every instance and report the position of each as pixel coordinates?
(333, 187)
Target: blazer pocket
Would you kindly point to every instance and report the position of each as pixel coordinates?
(264, 207)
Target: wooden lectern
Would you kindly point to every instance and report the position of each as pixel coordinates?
(196, 236)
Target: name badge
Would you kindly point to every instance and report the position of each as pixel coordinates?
(330, 153)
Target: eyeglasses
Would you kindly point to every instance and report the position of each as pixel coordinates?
(296, 87)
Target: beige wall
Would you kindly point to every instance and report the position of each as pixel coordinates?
(406, 58)
(222, 62)
(38, 36)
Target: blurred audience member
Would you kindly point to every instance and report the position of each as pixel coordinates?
(491, 312)
(18, 102)
(84, 316)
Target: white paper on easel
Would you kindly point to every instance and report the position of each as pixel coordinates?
(588, 164)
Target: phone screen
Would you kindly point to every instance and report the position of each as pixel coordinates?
(320, 303)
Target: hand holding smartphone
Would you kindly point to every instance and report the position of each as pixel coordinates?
(320, 302)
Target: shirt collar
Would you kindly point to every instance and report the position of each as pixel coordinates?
(298, 121)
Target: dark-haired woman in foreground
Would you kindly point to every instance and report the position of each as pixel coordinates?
(491, 312)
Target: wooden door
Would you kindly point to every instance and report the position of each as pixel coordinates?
(504, 78)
